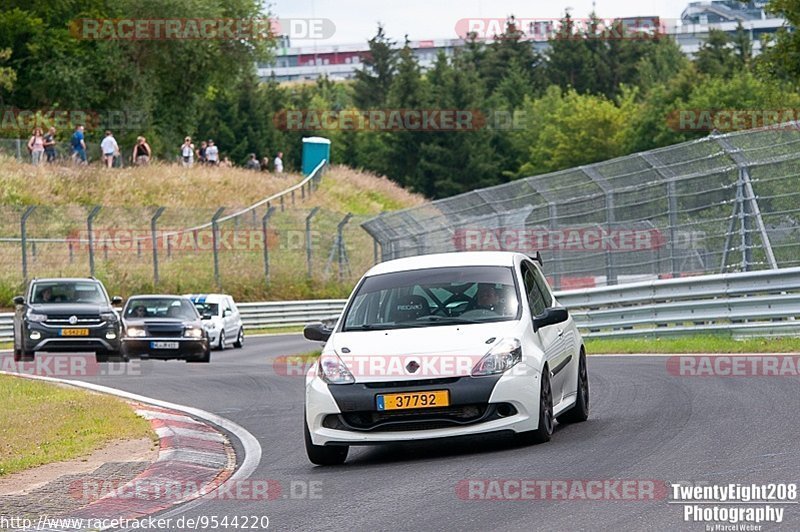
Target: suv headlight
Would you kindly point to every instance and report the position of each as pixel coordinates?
(36, 317)
(108, 316)
(135, 332)
(332, 370)
(193, 332)
(500, 358)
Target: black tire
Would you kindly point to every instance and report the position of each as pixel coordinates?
(324, 455)
(101, 357)
(239, 339)
(579, 412)
(205, 359)
(221, 346)
(544, 430)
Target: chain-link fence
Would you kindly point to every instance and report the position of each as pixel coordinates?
(722, 203)
(273, 248)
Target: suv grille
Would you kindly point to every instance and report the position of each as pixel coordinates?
(63, 319)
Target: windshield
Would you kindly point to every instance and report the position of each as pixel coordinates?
(207, 309)
(175, 308)
(68, 292)
(434, 296)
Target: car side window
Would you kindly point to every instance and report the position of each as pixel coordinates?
(536, 301)
(541, 285)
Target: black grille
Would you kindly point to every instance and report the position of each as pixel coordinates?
(164, 332)
(63, 319)
(404, 384)
(421, 419)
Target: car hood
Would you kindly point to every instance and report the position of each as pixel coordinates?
(158, 321)
(439, 352)
(70, 308)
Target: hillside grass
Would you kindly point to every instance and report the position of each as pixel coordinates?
(41, 423)
(692, 344)
(63, 196)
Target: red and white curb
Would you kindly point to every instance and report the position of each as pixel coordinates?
(194, 457)
(193, 452)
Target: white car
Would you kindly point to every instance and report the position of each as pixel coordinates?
(221, 319)
(445, 345)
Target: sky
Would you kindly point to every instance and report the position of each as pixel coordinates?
(355, 21)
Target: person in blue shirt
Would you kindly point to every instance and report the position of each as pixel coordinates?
(78, 146)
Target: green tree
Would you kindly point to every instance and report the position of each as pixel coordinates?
(716, 56)
(372, 83)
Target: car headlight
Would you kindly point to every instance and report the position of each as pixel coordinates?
(193, 332)
(500, 358)
(36, 318)
(135, 332)
(210, 325)
(332, 370)
(108, 316)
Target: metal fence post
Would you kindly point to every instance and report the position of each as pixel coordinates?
(154, 238)
(308, 239)
(341, 249)
(89, 222)
(214, 230)
(264, 225)
(23, 223)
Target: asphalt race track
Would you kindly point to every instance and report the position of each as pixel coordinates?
(646, 424)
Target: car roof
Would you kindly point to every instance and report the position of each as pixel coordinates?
(65, 279)
(156, 296)
(443, 260)
(207, 298)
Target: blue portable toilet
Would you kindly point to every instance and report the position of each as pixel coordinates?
(315, 150)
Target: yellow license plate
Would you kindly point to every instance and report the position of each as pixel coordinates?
(409, 400)
(74, 332)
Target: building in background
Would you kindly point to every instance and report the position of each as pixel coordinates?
(341, 61)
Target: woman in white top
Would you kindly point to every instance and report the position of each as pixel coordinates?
(187, 152)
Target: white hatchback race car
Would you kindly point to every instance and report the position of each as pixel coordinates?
(445, 345)
(221, 319)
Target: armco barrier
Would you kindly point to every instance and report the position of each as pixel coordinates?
(763, 303)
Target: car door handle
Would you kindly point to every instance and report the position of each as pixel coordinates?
(561, 332)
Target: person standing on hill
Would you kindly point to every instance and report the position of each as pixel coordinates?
(50, 145)
(187, 152)
(212, 153)
(141, 152)
(279, 163)
(110, 149)
(253, 164)
(36, 146)
(78, 146)
(201, 152)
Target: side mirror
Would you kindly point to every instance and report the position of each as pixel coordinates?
(19, 300)
(116, 300)
(551, 316)
(227, 312)
(317, 332)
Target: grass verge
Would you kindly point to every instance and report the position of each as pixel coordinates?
(692, 344)
(41, 423)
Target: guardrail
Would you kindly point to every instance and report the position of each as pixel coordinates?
(762, 303)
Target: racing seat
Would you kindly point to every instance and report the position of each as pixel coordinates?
(409, 308)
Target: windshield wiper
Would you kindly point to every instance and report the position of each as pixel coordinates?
(443, 319)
